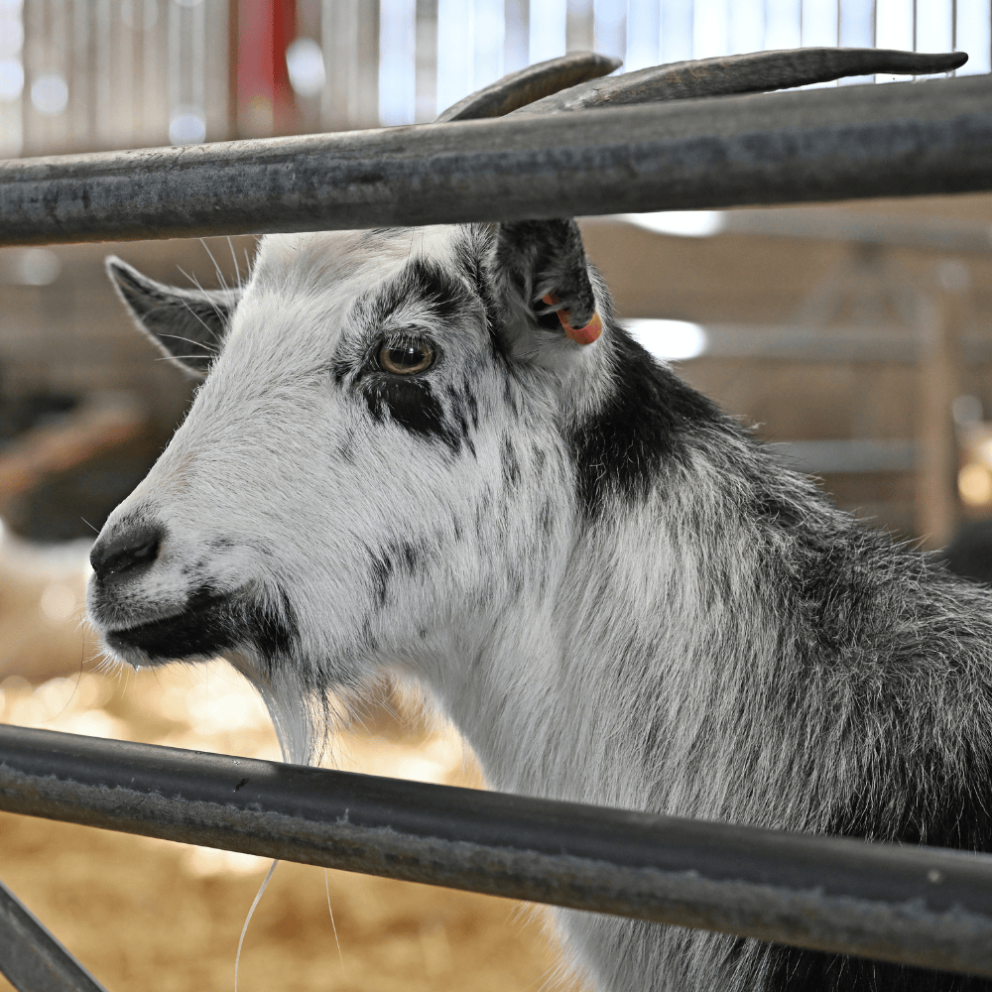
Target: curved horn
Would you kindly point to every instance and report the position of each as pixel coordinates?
(533, 83)
(741, 74)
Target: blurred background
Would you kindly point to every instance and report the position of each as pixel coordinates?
(855, 336)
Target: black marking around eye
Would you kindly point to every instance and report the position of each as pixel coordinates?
(412, 404)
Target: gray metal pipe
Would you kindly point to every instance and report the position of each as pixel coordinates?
(900, 139)
(919, 906)
(31, 959)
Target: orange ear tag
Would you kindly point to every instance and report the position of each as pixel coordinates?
(580, 335)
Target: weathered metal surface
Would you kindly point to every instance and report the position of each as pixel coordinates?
(31, 959)
(755, 72)
(915, 905)
(829, 144)
(530, 84)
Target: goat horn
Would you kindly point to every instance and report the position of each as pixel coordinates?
(533, 83)
(752, 73)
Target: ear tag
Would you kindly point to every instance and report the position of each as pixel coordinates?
(580, 335)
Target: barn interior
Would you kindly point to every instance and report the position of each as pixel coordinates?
(854, 336)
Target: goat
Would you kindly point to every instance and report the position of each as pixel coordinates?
(437, 452)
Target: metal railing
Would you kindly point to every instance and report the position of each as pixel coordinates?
(918, 906)
(830, 144)
(914, 905)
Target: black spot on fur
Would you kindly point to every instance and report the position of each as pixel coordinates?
(273, 632)
(397, 556)
(645, 421)
(472, 405)
(511, 466)
(380, 568)
(459, 406)
(411, 557)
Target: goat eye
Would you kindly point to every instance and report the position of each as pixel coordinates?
(405, 357)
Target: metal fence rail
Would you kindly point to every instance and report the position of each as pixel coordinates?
(918, 905)
(32, 958)
(831, 144)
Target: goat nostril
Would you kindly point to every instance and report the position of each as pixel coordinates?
(126, 551)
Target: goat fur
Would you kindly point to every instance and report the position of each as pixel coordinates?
(617, 594)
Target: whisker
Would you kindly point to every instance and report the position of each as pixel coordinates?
(217, 269)
(201, 344)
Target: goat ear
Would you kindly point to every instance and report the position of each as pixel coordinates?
(187, 325)
(544, 265)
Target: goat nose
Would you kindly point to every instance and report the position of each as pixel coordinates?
(126, 551)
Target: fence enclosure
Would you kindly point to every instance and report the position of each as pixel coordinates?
(913, 905)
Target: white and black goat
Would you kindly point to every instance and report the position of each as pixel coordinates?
(436, 452)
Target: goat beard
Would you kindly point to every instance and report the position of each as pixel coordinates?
(301, 714)
(306, 710)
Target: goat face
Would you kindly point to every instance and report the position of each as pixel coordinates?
(376, 451)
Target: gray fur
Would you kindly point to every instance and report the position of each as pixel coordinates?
(616, 593)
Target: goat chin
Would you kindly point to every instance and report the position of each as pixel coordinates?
(300, 717)
(399, 460)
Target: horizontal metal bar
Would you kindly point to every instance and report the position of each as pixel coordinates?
(919, 906)
(901, 139)
(921, 233)
(848, 455)
(803, 343)
(31, 958)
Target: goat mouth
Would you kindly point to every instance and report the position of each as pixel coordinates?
(206, 627)
(211, 623)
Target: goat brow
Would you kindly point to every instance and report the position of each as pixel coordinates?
(752, 73)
